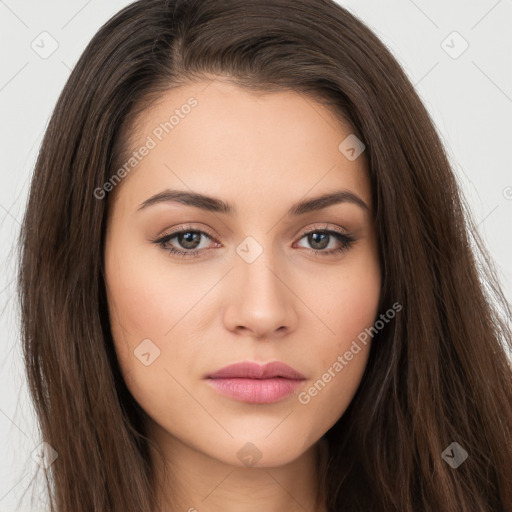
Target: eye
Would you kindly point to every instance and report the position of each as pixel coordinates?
(332, 240)
(184, 242)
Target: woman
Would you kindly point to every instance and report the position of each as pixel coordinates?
(247, 279)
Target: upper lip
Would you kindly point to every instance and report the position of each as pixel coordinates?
(251, 370)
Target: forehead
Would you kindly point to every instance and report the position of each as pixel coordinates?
(216, 137)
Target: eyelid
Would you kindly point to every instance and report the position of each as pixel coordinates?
(322, 227)
(187, 227)
(190, 227)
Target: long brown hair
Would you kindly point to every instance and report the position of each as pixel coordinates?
(437, 374)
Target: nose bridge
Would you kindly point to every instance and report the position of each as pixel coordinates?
(260, 300)
(258, 270)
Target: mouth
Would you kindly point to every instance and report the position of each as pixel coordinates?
(256, 384)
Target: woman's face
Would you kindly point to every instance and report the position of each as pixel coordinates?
(256, 277)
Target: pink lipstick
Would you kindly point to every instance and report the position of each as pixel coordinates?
(254, 383)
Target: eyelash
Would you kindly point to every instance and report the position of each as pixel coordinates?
(345, 240)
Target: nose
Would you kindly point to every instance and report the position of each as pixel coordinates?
(261, 302)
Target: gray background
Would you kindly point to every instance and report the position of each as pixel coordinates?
(469, 95)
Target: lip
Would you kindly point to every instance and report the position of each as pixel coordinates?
(254, 383)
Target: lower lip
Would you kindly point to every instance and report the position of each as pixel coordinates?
(256, 391)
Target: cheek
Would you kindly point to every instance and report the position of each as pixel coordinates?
(349, 307)
(144, 299)
(349, 303)
(357, 307)
(140, 314)
(149, 300)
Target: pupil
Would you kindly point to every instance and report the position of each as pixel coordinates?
(189, 240)
(316, 241)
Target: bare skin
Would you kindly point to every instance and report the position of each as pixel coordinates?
(299, 301)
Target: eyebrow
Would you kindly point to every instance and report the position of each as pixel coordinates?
(213, 204)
